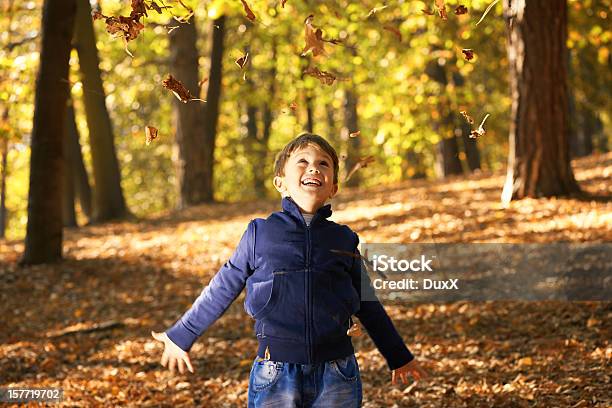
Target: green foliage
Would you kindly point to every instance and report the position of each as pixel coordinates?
(399, 105)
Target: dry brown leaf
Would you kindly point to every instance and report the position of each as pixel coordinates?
(150, 134)
(362, 163)
(441, 9)
(293, 106)
(177, 88)
(241, 62)
(487, 11)
(325, 77)
(249, 13)
(314, 38)
(475, 134)
(461, 9)
(283, 3)
(376, 10)
(355, 134)
(468, 54)
(467, 117)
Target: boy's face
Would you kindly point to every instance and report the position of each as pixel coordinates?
(308, 179)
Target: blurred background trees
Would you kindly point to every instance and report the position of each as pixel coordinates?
(401, 82)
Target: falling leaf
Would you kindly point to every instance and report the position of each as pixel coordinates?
(241, 62)
(461, 10)
(178, 89)
(156, 7)
(441, 9)
(97, 15)
(314, 38)
(487, 11)
(150, 134)
(249, 13)
(395, 31)
(323, 76)
(283, 3)
(467, 117)
(376, 10)
(362, 163)
(468, 53)
(475, 134)
(355, 134)
(293, 106)
(202, 82)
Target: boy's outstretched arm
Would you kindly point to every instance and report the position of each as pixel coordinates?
(380, 328)
(217, 296)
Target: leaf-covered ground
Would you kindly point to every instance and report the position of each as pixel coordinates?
(141, 276)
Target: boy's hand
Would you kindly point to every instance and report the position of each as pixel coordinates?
(173, 354)
(413, 368)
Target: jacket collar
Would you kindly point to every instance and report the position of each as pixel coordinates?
(292, 208)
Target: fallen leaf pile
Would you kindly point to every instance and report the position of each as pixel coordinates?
(86, 324)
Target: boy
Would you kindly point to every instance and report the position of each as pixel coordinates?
(300, 292)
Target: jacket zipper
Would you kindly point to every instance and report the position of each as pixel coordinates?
(308, 291)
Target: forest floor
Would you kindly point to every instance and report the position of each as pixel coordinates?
(140, 276)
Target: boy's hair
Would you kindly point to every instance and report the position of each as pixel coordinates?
(299, 142)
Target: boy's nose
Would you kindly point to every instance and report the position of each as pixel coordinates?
(314, 170)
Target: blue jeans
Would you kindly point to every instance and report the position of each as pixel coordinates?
(332, 384)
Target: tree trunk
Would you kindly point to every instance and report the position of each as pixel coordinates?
(351, 125)
(68, 213)
(447, 158)
(471, 147)
(80, 179)
(43, 242)
(539, 161)
(109, 201)
(189, 119)
(3, 175)
(213, 98)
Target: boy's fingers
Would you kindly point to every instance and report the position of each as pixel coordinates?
(172, 364)
(181, 365)
(164, 359)
(393, 377)
(188, 362)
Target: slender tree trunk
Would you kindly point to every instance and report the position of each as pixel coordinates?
(213, 98)
(3, 175)
(471, 147)
(447, 158)
(351, 125)
(43, 242)
(68, 213)
(539, 161)
(80, 179)
(109, 201)
(189, 119)
(308, 100)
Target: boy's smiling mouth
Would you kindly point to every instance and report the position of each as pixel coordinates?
(310, 181)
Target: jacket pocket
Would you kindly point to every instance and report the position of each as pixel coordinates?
(273, 298)
(285, 319)
(334, 303)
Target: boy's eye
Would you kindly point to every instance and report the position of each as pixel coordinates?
(324, 163)
(302, 160)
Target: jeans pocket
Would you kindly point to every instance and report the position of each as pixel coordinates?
(265, 373)
(346, 368)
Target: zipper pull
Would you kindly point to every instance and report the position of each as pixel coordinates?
(267, 354)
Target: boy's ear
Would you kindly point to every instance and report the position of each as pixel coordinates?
(279, 184)
(334, 190)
